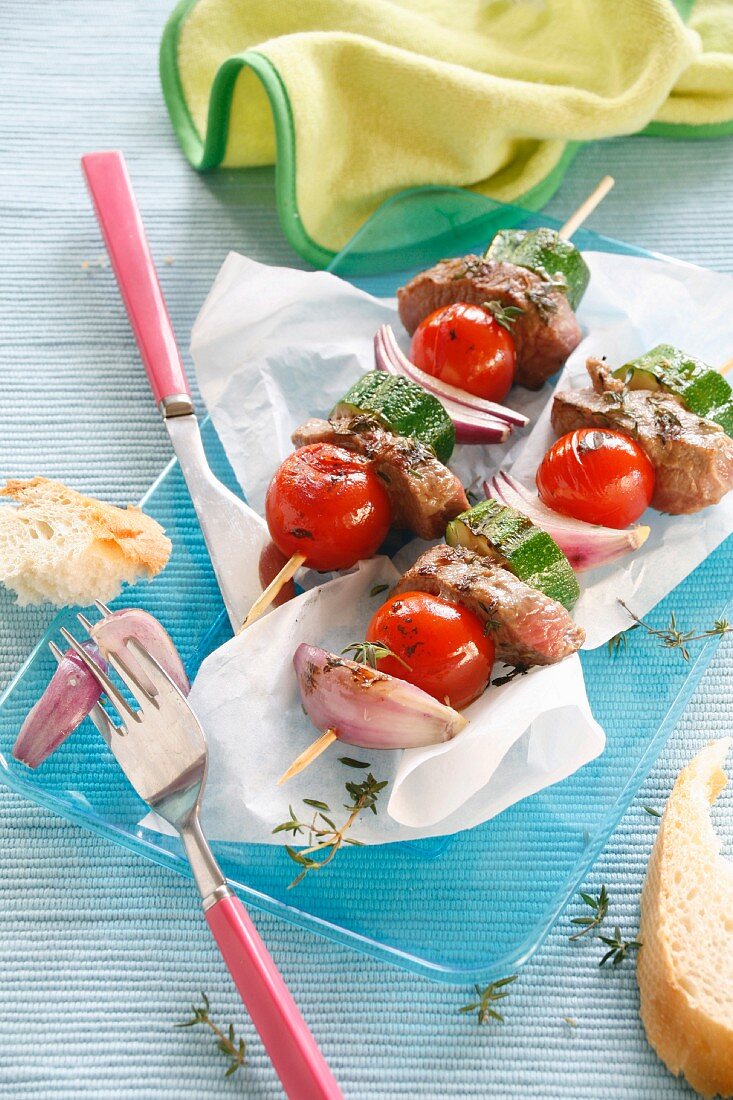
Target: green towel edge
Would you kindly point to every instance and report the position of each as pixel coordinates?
(208, 152)
(686, 130)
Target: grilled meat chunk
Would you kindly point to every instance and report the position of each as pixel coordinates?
(545, 332)
(692, 457)
(528, 627)
(424, 494)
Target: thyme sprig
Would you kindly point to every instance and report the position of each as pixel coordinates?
(618, 947)
(226, 1042)
(503, 315)
(324, 837)
(672, 637)
(368, 653)
(487, 998)
(599, 905)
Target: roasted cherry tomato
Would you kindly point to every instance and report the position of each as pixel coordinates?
(328, 504)
(448, 653)
(597, 475)
(466, 347)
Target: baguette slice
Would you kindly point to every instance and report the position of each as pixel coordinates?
(63, 548)
(685, 968)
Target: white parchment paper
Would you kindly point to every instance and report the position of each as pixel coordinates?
(521, 736)
(274, 346)
(632, 304)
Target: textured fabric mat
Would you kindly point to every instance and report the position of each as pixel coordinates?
(100, 953)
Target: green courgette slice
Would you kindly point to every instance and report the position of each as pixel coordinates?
(547, 254)
(403, 407)
(498, 531)
(701, 389)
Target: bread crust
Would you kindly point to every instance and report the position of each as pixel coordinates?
(684, 968)
(141, 539)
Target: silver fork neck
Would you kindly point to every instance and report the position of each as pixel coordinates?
(206, 871)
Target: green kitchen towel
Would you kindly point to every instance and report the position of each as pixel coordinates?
(357, 100)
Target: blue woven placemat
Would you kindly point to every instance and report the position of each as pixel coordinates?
(100, 953)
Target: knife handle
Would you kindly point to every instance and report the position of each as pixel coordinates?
(124, 235)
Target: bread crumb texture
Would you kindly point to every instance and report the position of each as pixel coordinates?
(60, 547)
(685, 967)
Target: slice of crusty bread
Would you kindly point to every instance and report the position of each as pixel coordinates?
(63, 548)
(685, 967)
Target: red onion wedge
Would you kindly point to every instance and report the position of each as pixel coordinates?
(585, 545)
(70, 695)
(368, 708)
(73, 691)
(476, 420)
(112, 632)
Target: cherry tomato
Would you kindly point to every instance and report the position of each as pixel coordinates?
(449, 655)
(466, 347)
(328, 504)
(597, 475)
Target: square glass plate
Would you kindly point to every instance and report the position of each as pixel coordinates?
(471, 906)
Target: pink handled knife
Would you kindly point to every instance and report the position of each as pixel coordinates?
(233, 532)
(234, 535)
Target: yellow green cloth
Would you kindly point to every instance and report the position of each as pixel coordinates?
(357, 100)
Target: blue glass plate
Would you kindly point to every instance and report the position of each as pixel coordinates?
(471, 906)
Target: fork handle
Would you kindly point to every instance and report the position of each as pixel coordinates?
(298, 1062)
(124, 235)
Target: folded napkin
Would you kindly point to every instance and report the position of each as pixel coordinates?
(357, 100)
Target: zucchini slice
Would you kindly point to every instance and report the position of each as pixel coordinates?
(547, 254)
(701, 389)
(498, 531)
(403, 407)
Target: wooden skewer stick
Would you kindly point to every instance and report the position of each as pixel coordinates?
(586, 208)
(307, 757)
(262, 603)
(726, 367)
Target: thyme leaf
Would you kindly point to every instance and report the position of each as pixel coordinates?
(503, 315)
(368, 653)
(618, 947)
(378, 589)
(599, 906)
(651, 811)
(487, 998)
(226, 1042)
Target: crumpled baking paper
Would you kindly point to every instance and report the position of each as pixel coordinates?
(631, 305)
(275, 346)
(521, 736)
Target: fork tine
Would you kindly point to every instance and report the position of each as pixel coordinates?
(104, 724)
(84, 622)
(98, 714)
(128, 677)
(102, 609)
(159, 678)
(116, 699)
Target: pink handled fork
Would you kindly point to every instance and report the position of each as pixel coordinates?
(162, 750)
